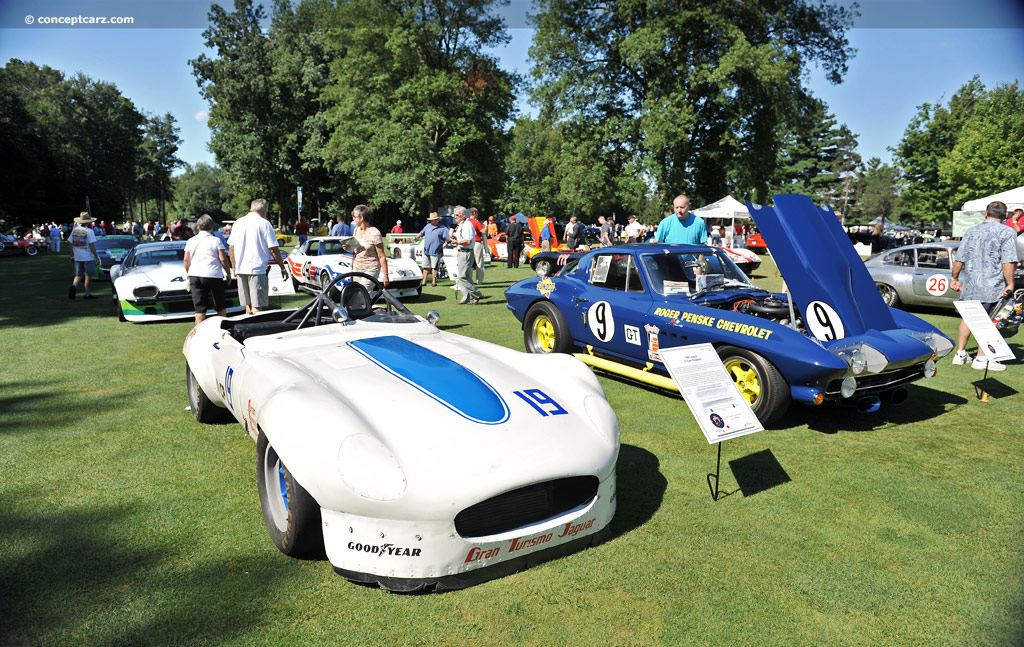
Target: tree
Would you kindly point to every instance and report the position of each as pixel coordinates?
(157, 159)
(988, 156)
(204, 189)
(416, 111)
(690, 95)
(879, 193)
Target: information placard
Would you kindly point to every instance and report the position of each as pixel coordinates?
(709, 392)
(984, 330)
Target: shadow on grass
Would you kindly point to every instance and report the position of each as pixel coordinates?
(45, 406)
(922, 404)
(758, 472)
(69, 576)
(640, 488)
(994, 387)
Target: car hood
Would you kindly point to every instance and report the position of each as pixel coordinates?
(820, 266)
(164, 275)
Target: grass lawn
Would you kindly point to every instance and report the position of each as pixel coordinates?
(124, 522)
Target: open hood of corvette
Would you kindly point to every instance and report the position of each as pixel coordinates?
(829, 283)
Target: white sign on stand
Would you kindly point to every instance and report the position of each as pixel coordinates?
(984, 331)
(710, 393)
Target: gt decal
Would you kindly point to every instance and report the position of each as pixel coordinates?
(936, 284)
(228, 374)
(601, 320)
(667, 313)
(632, 334)
(540, 401)
(823, 321)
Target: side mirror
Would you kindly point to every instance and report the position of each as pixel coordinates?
(115, 271)
(433, 317)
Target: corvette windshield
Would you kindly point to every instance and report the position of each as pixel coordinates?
(157, 256)
(116, 243)
(676, 273)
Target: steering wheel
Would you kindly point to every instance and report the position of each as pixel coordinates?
(337, 312)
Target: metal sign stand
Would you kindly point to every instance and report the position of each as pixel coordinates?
(979, 390)
(718, 469)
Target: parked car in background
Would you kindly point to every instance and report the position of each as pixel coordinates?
(14, 246)
(315, 263)
(112, 250)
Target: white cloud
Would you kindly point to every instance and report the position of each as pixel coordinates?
(201, 117)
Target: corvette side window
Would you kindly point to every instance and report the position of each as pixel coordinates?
(902, 257)
(616, 272)
(313, 248)
(933, 257)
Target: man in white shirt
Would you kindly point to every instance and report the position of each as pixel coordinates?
(252, 244)
(207, 265)
(83, 253)
(633, 230)
(465, 238)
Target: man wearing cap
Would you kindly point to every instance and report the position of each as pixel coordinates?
(682, 226)
(83, 253)
(251, 245)
(546, 232)
(434, 238)
(207, 265)
(465, 237)
(633, 230)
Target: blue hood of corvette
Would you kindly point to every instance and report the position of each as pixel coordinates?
(820, 265)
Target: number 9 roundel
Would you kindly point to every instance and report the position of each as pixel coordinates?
(823, 321)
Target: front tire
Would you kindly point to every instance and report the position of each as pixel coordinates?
(544, 268)
(759, 382)
(888, 295)
(31, 250)
(118, 311)
(545, 330)
(292, 516)
(203, 409)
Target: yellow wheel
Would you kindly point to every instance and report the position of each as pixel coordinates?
(758, 381)
(544, 329)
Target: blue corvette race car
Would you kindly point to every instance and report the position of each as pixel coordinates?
(829, 338)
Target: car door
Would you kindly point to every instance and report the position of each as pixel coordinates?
(611, 305)
(933, 275)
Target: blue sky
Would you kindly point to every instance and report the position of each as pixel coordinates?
(908, 57)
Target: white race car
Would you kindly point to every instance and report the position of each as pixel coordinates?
(318, 261)
(418, 459)
(414, 251)
(151, 284)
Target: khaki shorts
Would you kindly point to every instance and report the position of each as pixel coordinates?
(254, 290)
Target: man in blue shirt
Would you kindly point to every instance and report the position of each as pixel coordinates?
(434, 239)
(341, 229)
(682, 227)
(545, 235)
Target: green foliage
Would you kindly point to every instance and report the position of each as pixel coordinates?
(157, 159)
(689, 98)
(879, 193)
(204, 189)
(415, 110)
(988, 156)
(65, 139)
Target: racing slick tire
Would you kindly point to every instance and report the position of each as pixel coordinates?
(31, 250)
(888, 294)
(203, 409)
(759, 382)
(292, 516)
(118, 311)
(545, 330)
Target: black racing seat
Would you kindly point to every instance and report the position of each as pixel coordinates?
(356, 299)
(244, 331)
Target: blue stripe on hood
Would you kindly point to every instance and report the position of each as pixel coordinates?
(437, 376)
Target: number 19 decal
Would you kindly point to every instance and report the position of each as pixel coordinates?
(540, 401)
(823, 321)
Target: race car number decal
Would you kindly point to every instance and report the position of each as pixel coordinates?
(823, 321)
(228, 374)
(601, 321)
(540, 401)
(936, 284)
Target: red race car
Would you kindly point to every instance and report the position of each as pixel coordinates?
(13, 246)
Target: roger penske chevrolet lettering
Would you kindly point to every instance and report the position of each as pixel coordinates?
(510, 460)
(831, 338)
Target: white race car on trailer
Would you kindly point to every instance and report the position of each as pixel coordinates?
(418, 458)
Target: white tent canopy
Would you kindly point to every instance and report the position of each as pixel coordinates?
(728, 207)
(1014, 199)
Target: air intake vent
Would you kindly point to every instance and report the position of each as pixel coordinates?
(526, 506)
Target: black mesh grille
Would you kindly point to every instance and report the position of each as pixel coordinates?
(866, 383)
(525, 506)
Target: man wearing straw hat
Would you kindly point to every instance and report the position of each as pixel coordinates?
(82, 240)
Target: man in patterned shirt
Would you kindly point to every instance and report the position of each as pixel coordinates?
(986, 259)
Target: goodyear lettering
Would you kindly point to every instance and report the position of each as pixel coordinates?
(744, 329)
(382, 550)
(571, 530)
(667, 313)
(476, 553)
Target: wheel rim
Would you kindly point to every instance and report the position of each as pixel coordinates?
(746, 379)
(325, 280)
(277, 498)
(888, 294)
(544, 334)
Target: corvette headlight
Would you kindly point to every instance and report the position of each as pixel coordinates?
(849, 387)
(369, 468)
(929, 368)
(939, 344)
(860, 357)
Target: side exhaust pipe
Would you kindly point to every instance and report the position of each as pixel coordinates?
(869, 404)
(896, 397)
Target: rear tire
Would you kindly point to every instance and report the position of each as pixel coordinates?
(203, 409)
(31, 250)
(545, 330)
(292, 516)
(888, 295)
(759, 382)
